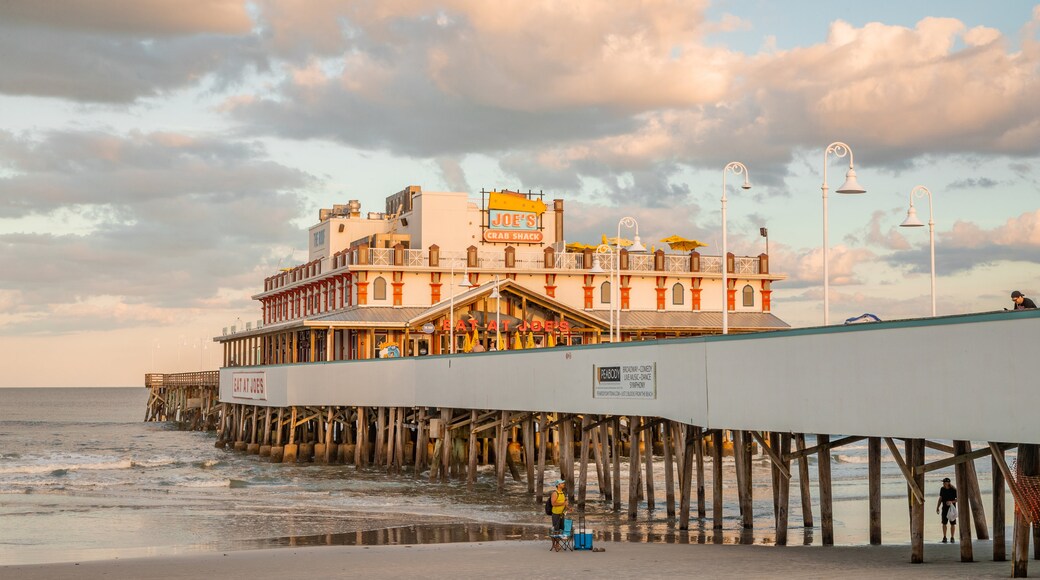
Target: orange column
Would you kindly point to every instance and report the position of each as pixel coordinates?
(695, 298)
(362, 293)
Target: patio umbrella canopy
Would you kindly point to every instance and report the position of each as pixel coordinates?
(682, 244)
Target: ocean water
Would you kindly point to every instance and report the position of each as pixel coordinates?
(82, 478)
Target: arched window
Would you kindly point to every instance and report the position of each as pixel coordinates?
(379, 289)
(604, 293)
(677, 294)
(749, 295)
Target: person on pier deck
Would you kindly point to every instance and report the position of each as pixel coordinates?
(559, 503)
(947, 499)
(1021, 302)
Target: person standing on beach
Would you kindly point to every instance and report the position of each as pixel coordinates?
(947, 499)
(1021, 302)
(559, 504)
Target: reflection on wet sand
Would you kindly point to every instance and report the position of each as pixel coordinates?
(445, 533)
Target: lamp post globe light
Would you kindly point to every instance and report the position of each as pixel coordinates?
(911, 221)
(850, 186)
(737, 168)
(615, 291)
(597, 268)
(451, 311)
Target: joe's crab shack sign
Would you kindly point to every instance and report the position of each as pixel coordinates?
(513, 218)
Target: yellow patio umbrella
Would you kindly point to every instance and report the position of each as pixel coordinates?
(578, 247)
(682, 244)
(550, 340)
(518, 344)
(467, 344)
(616, 241)
(530, 340)
(499, 345)
(476, 337)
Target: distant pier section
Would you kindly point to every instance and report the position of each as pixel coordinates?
(189, 399)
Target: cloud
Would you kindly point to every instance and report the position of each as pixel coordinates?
(973, 183)
(966, 246)
(155, 17)
(453, 174)
(171, 222)
(627, 95)
(119, 51)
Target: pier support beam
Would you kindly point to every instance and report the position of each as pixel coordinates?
(874, 488)
(471, 470)
(669, 470)
(826, 503)
(915, 457)
(964, 515)
(716, 479)
(783, 502)
(804, 483)
(633, 466)
(615, 446)
(689, 440)
(583, 463)
(647, 436)
(999, 510)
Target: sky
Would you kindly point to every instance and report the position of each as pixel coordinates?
(159, 159)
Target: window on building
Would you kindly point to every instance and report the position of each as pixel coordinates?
(604, 293)
(379, 289)
(749, 295)
(677, 294)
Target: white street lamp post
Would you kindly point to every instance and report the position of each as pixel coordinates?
(911, 221)
(850, 186)
(451, 311)
(498, 313)
(737, 168)
(597, 268)
(615, 291)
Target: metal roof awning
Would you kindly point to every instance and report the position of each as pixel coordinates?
(707, 321)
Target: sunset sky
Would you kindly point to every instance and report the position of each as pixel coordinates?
(158, 159)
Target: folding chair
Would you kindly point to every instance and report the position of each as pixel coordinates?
(562, 539)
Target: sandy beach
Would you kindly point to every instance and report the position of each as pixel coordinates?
(531, 559)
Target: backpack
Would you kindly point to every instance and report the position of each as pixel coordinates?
(548, 505)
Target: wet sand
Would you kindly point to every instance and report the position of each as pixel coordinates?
(531, 559)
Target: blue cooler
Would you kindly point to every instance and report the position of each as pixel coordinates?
(582, 537)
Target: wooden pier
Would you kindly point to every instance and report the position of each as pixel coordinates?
(191, 400)
(902, 387)
(445, 445)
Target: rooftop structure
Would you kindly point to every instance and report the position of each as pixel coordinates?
(436, 268)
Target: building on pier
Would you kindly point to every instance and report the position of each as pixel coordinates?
(436, 267)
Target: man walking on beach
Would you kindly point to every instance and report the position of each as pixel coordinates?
(559, 504)
(947, 499)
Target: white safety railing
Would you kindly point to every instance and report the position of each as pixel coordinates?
(677, 263)
(747, 265)
(381, 256)
(711, 264)
(641, 262)
(416, 258)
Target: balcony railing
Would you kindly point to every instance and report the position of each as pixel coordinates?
(496, 260)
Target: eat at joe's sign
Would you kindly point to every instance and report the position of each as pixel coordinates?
(533, 326)
(249, 385)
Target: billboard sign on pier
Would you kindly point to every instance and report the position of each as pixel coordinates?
(249, 385)
(625, 381)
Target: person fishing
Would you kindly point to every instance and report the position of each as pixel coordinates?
(558, 498)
